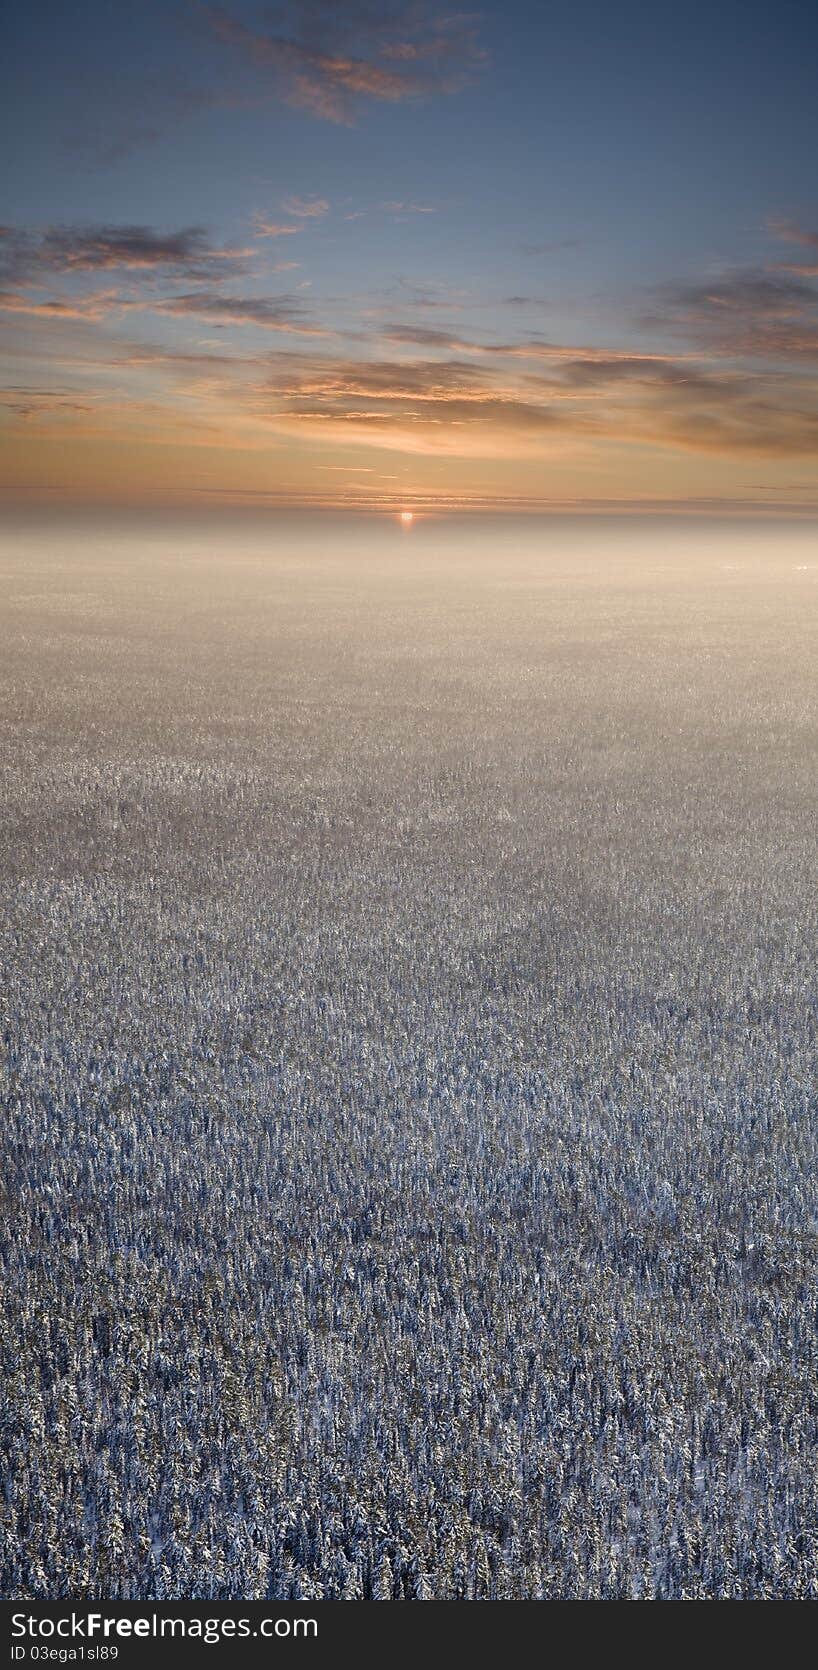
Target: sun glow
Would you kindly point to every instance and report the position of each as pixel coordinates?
(407, 518)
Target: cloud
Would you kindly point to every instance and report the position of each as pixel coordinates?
(16, 256)
(619, 360)
(745, 294)
(550, 246)
(421, 336)
(803, 269)
(329, 58)
(140, 254)
(749, 419)
(414, 406)
(284, 313)
(399, 208)
(751, 313)
(600, 368)
(280, 313)
(431, 296)
(505, 401)
(99, 150)
(129, 116)
(426, 387)
(90, 307)
(135, 248)
(391, 380)
(792, 233)
(108, 248)
(494, 408)
(26, 403)
(273, 229)
(306, 208)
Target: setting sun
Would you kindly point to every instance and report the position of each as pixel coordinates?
(407, 518)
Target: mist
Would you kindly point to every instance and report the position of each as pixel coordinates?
(409, 947)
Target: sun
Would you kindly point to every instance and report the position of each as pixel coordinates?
(407, 518)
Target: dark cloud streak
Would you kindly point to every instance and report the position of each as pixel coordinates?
(749, 313)
(280, 313)
(188, 253)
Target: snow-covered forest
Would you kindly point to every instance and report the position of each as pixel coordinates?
(408, 1049)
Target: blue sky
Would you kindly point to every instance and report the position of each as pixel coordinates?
(428, 194)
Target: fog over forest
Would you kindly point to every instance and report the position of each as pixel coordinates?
(408, 1057)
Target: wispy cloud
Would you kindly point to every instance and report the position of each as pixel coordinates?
(791, 233)
(401, 209)
(273, 228)
(274, 313)
(329, 58)
(397, 208)
(426, 337)
(148, 262)
(306, 208)
(142, 113)
(26, 403)
(450, 395)
(730, 370)
(280, 313)
(421, 336)
(550, 246)
(92, 307)
(590, 396)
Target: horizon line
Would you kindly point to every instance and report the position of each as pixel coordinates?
(58, 496)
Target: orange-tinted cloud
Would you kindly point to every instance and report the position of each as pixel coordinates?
(328, 59)
(273, 228)
(741, 382)
(93, 306)
(593, 398)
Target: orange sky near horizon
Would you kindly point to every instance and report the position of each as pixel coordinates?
(389, 259)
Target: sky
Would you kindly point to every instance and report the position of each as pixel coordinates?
(399, 255)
